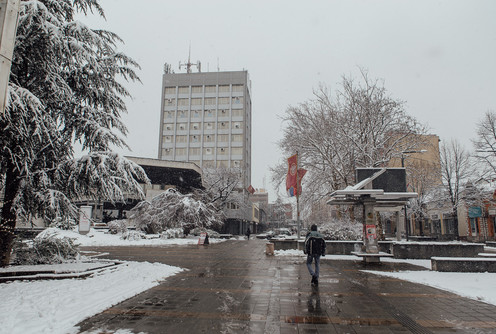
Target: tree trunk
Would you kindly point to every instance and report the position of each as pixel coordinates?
(8, 217)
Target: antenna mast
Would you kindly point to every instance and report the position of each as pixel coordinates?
(189, 64)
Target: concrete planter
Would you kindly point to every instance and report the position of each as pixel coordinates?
(426, 250)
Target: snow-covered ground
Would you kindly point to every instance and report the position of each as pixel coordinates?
(56, 306)
(478, 286)
(103, 238)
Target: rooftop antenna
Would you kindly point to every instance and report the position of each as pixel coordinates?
(189, 64)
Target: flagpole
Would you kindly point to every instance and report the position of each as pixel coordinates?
(297, 201)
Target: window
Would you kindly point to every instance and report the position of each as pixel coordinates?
(232, 206)
(182, 114)
(222, 150)
(237, 138)
(196, 126)
(222, 163)
(236, 150)
(195, 114)
(237, 100)
(169, 114)
(170, 90)
(168, 139)
(168, 127)
(180, 151)
(184, 90)
(196, 89)
(237, 88)
(223, 113)
(223, 138)
(210, 101)
(182, 126)
(196, 102)
(167, 151)
(235, 163)
(194, 151)
(223, 100)
(209, 113)
(223, 125)
(181, 139)
(237, 112)
(207, 151)
(208, 138)
(210, 89)
(209, 126)
(183, 102)
(194, 138)
(224, 88)
(237, 125)
(170, 102)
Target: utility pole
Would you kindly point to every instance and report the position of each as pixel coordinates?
(9, 13)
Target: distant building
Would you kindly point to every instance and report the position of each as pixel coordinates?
(206, 119)
(183, 176)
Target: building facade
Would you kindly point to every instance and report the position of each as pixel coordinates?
(206, 119)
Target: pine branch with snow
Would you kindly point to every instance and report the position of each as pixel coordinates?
(65, 87)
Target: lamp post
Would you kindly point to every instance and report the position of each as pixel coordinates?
(407, 226)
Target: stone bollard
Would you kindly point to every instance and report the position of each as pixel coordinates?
(269, 249)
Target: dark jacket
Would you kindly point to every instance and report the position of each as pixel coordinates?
(315, 243)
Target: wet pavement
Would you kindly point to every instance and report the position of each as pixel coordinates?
(233, 287)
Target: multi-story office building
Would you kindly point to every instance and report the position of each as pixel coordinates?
(206, 119)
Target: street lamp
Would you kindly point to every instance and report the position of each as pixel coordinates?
(407, 226)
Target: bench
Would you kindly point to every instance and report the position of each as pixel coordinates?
(464, 264)
(371, 257)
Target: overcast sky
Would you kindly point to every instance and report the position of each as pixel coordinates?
(437, 56)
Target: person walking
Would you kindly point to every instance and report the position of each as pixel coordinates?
(315, 247)
(248, 232)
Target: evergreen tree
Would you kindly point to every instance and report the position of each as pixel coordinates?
(64, 89)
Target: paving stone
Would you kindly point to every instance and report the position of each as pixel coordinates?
(233, 287)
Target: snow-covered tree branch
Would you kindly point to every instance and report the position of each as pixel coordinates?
(65, 87)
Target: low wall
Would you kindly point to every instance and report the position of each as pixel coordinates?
(463, 264)
(491, 243)
(426, 250)
(332, 246)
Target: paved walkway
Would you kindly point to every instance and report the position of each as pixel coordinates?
(233, 287)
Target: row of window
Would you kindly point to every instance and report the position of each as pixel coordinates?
(206, 151)
(206, 126)
(219, 163)
(221, 138)
(208, 101)
(199, 89)
(206, 113)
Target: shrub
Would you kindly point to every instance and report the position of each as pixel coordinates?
(342, 230)
(117, 226)
(46, 248)
(133, 235)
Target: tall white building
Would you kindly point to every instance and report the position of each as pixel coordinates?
(206, 119)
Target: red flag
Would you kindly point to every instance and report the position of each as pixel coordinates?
(251, 190)
(291, 176)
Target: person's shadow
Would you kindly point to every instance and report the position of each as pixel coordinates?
(313, 301)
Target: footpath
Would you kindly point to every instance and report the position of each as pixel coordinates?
(233, 287)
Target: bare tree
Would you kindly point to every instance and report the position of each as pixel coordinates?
(223, 186)
(456, 169)
(359, 126)
(485, 144)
